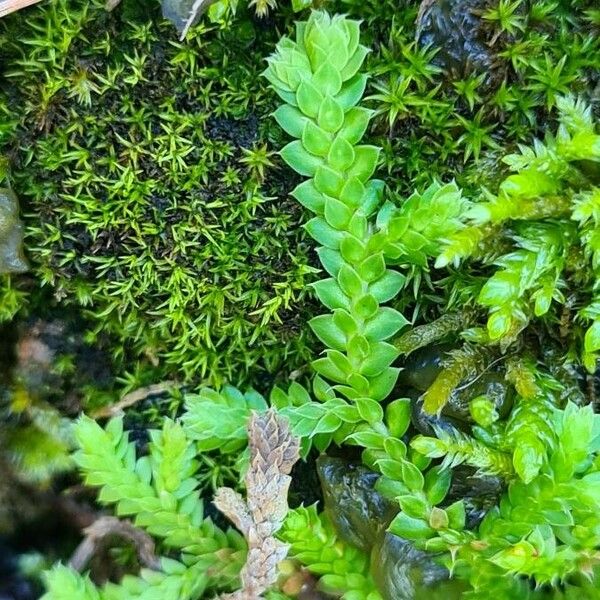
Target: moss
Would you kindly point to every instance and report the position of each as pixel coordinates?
(152, 198)
(457, 83)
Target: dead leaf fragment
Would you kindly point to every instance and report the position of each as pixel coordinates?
(184, 13)
(9, 6)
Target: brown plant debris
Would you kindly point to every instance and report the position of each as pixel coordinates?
(9, 6)
(105, 528)
(273, 453)
(133, 398)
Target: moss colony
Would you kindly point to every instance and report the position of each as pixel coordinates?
(146, 168)
(156, 202)
(444, 158)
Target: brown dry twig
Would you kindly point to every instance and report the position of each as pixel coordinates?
(273, 453)
(105, 527)
(9, 6)
(133, 398)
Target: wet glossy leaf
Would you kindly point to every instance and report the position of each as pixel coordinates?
(328, 331)
(437, 484)
(352, 91)
(337, 214)
(307, 194)
(315, 140)
(385, 324)
(331, 115)
(328, 181)
(309, 99)
(291, 120)
(365, 162)
(397, 416)
(409, 528)
(369, 410)
(331, 294)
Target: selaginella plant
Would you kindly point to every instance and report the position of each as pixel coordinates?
(312, 76)
(546, 215)
(158, 491)
(318, 78)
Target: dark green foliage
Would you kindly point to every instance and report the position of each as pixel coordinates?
(547, 211)
(180, 128)
(483, 76)
(40, 447)
(151, 196)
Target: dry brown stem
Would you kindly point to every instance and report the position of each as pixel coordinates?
(273, 452)
(133, 398)
(105, 527)
(9, 6)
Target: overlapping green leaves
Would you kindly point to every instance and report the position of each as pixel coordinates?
(159, 492)
(218, 420)
(527, 229)
(418, 229)
(343, 570)
(318, 76)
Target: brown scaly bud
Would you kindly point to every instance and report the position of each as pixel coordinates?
(273, 452)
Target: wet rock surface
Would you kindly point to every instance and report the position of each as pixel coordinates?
(428, 424)
(361, 516)
(12, 259)
(404, 573)
(454, 27)
(358, 512)
(422, 367)
(420, 371)
(53, 362)
(479, 492)
(492, 385)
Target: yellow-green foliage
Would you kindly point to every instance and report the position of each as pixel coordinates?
(151, 195)
(540, 230)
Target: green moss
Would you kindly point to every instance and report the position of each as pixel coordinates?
(154, 201)
(445, 111)
(152, 198)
